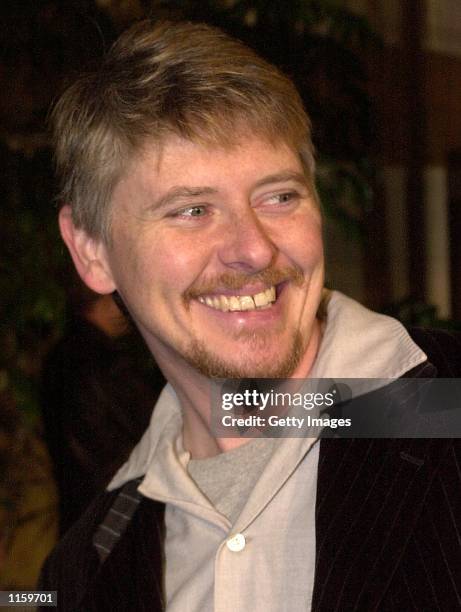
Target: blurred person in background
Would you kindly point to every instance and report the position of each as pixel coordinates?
(98, 390)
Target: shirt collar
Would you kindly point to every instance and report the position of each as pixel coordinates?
(357, 343)
(360, 343)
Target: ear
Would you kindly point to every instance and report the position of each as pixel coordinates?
(88, 254)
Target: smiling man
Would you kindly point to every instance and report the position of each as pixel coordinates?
(216, 249)
(188, 187)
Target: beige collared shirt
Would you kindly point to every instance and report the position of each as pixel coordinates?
(265, 560)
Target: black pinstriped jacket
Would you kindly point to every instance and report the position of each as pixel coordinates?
(388, 527)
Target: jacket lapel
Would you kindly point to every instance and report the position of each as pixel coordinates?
(370, 493)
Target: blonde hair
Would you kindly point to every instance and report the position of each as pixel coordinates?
(187, 79)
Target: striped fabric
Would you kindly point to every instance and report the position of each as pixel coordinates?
(388, 526)
(388, 522)
(117, 519)
(388, 516)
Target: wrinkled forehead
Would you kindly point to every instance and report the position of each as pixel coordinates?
(238, 162)
(232, 141)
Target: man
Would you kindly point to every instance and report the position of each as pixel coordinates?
(187, 168)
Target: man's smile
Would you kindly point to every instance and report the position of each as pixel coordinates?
(241, 293)
(235, 303)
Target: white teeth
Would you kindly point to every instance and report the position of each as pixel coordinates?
(237, 303)
(234, 303)
(224, 303)
(246, 302)
(260, 299)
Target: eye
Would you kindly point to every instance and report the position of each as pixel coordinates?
(191, 212)
(285, 197)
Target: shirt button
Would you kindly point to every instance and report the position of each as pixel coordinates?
(236, 543)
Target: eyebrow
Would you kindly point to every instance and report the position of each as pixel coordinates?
(283, 177)
(176, 193)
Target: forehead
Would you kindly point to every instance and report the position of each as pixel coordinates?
(181, 160)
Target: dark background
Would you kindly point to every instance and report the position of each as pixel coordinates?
(386, 110)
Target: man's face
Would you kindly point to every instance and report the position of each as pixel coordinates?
(217, 252)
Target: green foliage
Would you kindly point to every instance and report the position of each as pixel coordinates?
(414, 313)
(345, 191)
(31, 298)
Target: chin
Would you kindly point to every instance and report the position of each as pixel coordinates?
(214, 366)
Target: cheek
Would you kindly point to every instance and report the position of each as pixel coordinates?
(169, 263)
(176, 251)
(133, 263)
(304, 241)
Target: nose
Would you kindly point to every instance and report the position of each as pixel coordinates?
(246, 245)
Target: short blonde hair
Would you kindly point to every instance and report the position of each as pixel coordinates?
(187, 79)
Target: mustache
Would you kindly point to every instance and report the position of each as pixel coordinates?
(234, 280)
